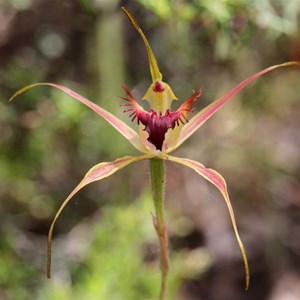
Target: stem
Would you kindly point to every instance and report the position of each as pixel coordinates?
(157, 173)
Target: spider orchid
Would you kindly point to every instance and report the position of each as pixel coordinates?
(161, 131)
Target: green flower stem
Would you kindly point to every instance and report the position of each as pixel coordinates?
(157, 173)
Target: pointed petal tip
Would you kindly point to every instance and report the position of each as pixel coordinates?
(24, 89)
(247, 284)
(154, 69)
(290, 63)
(219, 182)
(96, 173)
(118, 124)
(131, 18)
(201, 117)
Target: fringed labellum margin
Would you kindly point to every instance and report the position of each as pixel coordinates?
(157, 123)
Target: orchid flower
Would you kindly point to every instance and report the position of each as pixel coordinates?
(161, 131)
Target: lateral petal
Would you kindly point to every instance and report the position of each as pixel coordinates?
(218, 181)
(118, 124)
(96, 173)
(200, 118)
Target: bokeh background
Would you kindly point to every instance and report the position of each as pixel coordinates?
(104, 245)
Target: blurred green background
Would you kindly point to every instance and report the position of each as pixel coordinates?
(104, 245)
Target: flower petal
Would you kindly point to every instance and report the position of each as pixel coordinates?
(218, 181)
(98, 172)
(211, 109)
(155, 73)
(119, 125)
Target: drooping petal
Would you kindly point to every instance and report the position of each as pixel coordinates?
(200, 118)
(218, 181)
(98, 172)
(119, 125)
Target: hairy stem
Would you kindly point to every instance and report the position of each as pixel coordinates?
(157, 172)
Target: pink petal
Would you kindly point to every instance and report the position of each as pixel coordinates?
(199, 119)
(119, 125)
(218, 181)
(98, 172)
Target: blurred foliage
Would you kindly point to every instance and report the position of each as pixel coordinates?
(49, 141)
(119, 273)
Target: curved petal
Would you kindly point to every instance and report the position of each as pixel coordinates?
(119, 125)
(218, 181)
(155, 73)
(98, 172)
(201, 117)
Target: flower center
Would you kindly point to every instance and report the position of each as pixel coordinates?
(157, 124)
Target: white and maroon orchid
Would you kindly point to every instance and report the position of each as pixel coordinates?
(161, 131)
